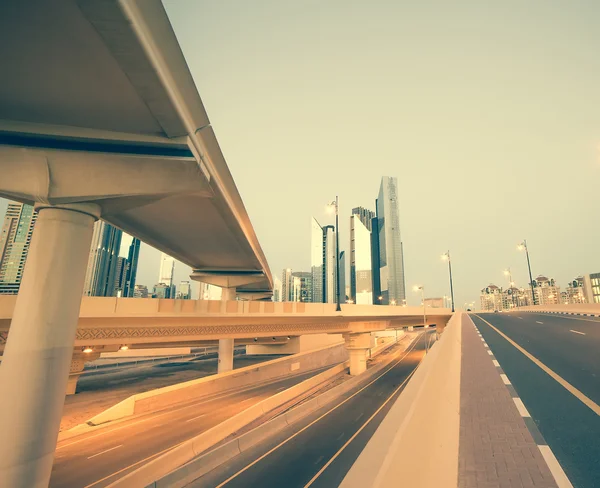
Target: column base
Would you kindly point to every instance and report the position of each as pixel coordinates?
(225, 355)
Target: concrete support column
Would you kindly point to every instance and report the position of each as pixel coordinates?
(228, 294)
(225, 355)
(77, 365)
(357, 345)
(37, 358)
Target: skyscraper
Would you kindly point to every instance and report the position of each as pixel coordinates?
(302, 286)
(132, 259)
(167, 268)
(184, 290)
(342, 281)
(391, 256)
(120, 277)
(15, 238)
(287, 285)
(102, 264)
(323, 264)
(361, 260)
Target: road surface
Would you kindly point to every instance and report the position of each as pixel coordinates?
(101, 389)
(569, 347)
(99, 458)
(320, 449)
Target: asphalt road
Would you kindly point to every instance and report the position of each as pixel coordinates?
(99, 390)
(569, 346)
(323, 446)
(99, 458)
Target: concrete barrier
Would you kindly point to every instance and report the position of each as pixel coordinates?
(417, 442)
(165, 397)
(586, 309)
(182, 454)
(201, 465)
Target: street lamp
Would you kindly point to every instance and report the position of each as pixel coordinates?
(446, 257)
(521, 247)
(380, 298)
(335, 205)
(422, 288)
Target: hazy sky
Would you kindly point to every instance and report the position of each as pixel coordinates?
(487, 112)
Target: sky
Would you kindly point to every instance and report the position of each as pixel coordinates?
(486, 112)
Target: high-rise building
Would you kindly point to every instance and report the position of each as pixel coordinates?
(167, 268)
(161, 290)
(302, 286)
(132, 260)
(491, 298)
(342, 281)
(575, 292)
(287, 285)
(323, 263)
(120, 277)
(140, 291)
(15, 238)
(547, 292)
(277, 289)
(361, 259)
(184, 291)
(391, 256)
(102, 264)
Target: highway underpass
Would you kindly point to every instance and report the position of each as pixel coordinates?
(320, 449)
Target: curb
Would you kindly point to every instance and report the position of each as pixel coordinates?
(195, 467)
(558, 473)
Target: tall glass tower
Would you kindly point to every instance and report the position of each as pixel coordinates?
(323, 263)
(101, 272)
(391, 256)
(15, 238)
(361, 275)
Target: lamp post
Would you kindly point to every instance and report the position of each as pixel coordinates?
(422, 288)
(446, 257)
(335, 205)
(520, 247)
(511, 284)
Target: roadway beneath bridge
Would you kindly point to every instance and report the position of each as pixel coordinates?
(320, 449)
(570, 347)
(99, 458)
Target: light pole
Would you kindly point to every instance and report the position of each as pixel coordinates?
(511, 284)
(335, 204)
(446, 257)
(520, 247)
(422, 288)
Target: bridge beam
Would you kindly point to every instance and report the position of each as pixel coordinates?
(37, 357)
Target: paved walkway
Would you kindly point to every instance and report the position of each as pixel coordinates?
(496, 448)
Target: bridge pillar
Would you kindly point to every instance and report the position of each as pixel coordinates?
(226, 345)
(38, 352)
(357, 345)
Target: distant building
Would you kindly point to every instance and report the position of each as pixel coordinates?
(167, 269)
(391, 255)
(434, 302)
(184, 291)
(342, 281)
(120, 277)
(140, 291)
(591, 287)
(361, 259)
(209, 292)
(575, 292)
(161, 290)
(287, 285)
(323, 263)
(547, 292)
(15, 238)
(102, 264)
(302, 287)
(132, 261)
(277, 291)
(491, 298)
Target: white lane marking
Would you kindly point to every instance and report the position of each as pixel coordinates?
(496, 363)
(521, 318)
(199, 416)
(340, 436)
(559, 475)
(538, 322)
(319, 460)
(521, 407)
(485, 345)
(359, 417)
(111, 449)
(576, 332)
(248, 399)
(490, 353)
(505, 379)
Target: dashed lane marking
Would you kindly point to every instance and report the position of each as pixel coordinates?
(538, 322)
(576, 332)
(108, 450)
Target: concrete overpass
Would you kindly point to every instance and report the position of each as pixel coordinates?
(100, 118)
